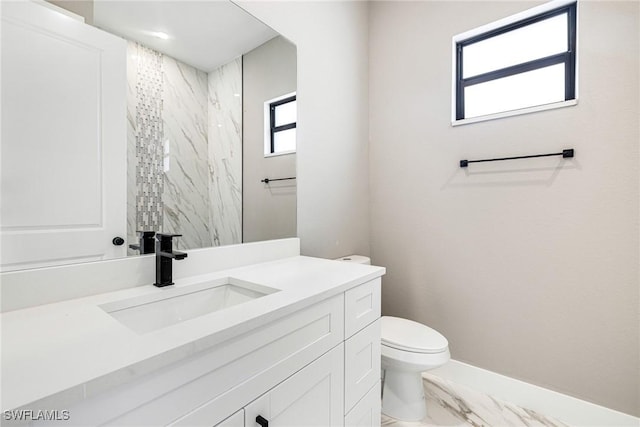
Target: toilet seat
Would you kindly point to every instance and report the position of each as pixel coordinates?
(414, 337)
(408, 349)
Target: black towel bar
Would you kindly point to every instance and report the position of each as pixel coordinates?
(565, 154)
(268, 180)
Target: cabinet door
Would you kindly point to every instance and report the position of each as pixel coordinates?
(235, 420)
(367, 411)
(362, 364)
(311, 397)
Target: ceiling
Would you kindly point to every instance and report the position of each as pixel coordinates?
(204, 34)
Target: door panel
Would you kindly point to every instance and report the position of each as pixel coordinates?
(63, 187)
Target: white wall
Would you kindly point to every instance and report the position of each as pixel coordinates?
(530, 267)
(268, 71)
(332, 157)
(83, 8)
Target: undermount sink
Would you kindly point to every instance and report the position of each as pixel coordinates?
(170, 306)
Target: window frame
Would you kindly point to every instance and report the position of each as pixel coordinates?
(270, 124)
(529, 17)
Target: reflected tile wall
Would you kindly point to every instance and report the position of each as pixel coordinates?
(145, 132)
(225, 153)
(184, 150)
(186, 166)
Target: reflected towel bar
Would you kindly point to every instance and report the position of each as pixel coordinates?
(565, 154)
(268, 180)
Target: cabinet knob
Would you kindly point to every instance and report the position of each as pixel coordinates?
(262, 421)
(118, 241)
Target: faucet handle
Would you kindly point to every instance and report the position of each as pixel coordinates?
(162, 236)
(165, 242)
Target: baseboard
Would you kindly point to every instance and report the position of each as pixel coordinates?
(567, 409)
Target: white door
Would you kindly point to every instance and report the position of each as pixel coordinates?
(63, 144)
(312, 397)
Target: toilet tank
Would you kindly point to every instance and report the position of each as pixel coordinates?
(358, 259)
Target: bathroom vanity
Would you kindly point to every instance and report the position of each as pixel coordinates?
(291, 341)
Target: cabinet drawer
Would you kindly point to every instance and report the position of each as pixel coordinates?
(362, 364)
(361, 306)
(367, 411)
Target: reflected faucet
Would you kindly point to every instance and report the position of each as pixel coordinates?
(146, 242)
(164, 256)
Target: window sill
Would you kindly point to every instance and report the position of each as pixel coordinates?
(283, 153)
(511, 113)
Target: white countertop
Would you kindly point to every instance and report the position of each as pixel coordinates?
(73, 349)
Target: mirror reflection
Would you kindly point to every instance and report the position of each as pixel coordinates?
(210, 154)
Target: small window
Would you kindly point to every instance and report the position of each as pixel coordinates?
(520, 64)
(280, 122)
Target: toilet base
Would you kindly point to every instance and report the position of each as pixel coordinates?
(403, 396)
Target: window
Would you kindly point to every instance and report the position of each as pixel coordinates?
(280, 122)
(520, 64)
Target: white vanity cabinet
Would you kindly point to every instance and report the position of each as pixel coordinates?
(318, 366)
(342, 387)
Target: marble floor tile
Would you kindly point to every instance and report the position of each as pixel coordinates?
(450, 404)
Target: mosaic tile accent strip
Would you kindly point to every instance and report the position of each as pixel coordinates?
(149, 135)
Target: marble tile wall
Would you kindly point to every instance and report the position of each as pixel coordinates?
(225, 153)
(186, 166)
(184, 132)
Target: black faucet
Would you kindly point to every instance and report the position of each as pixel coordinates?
(146, 242)
(164, 255)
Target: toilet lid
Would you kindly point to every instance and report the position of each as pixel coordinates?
(407, 335)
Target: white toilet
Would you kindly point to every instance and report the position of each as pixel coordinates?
(408, 349)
